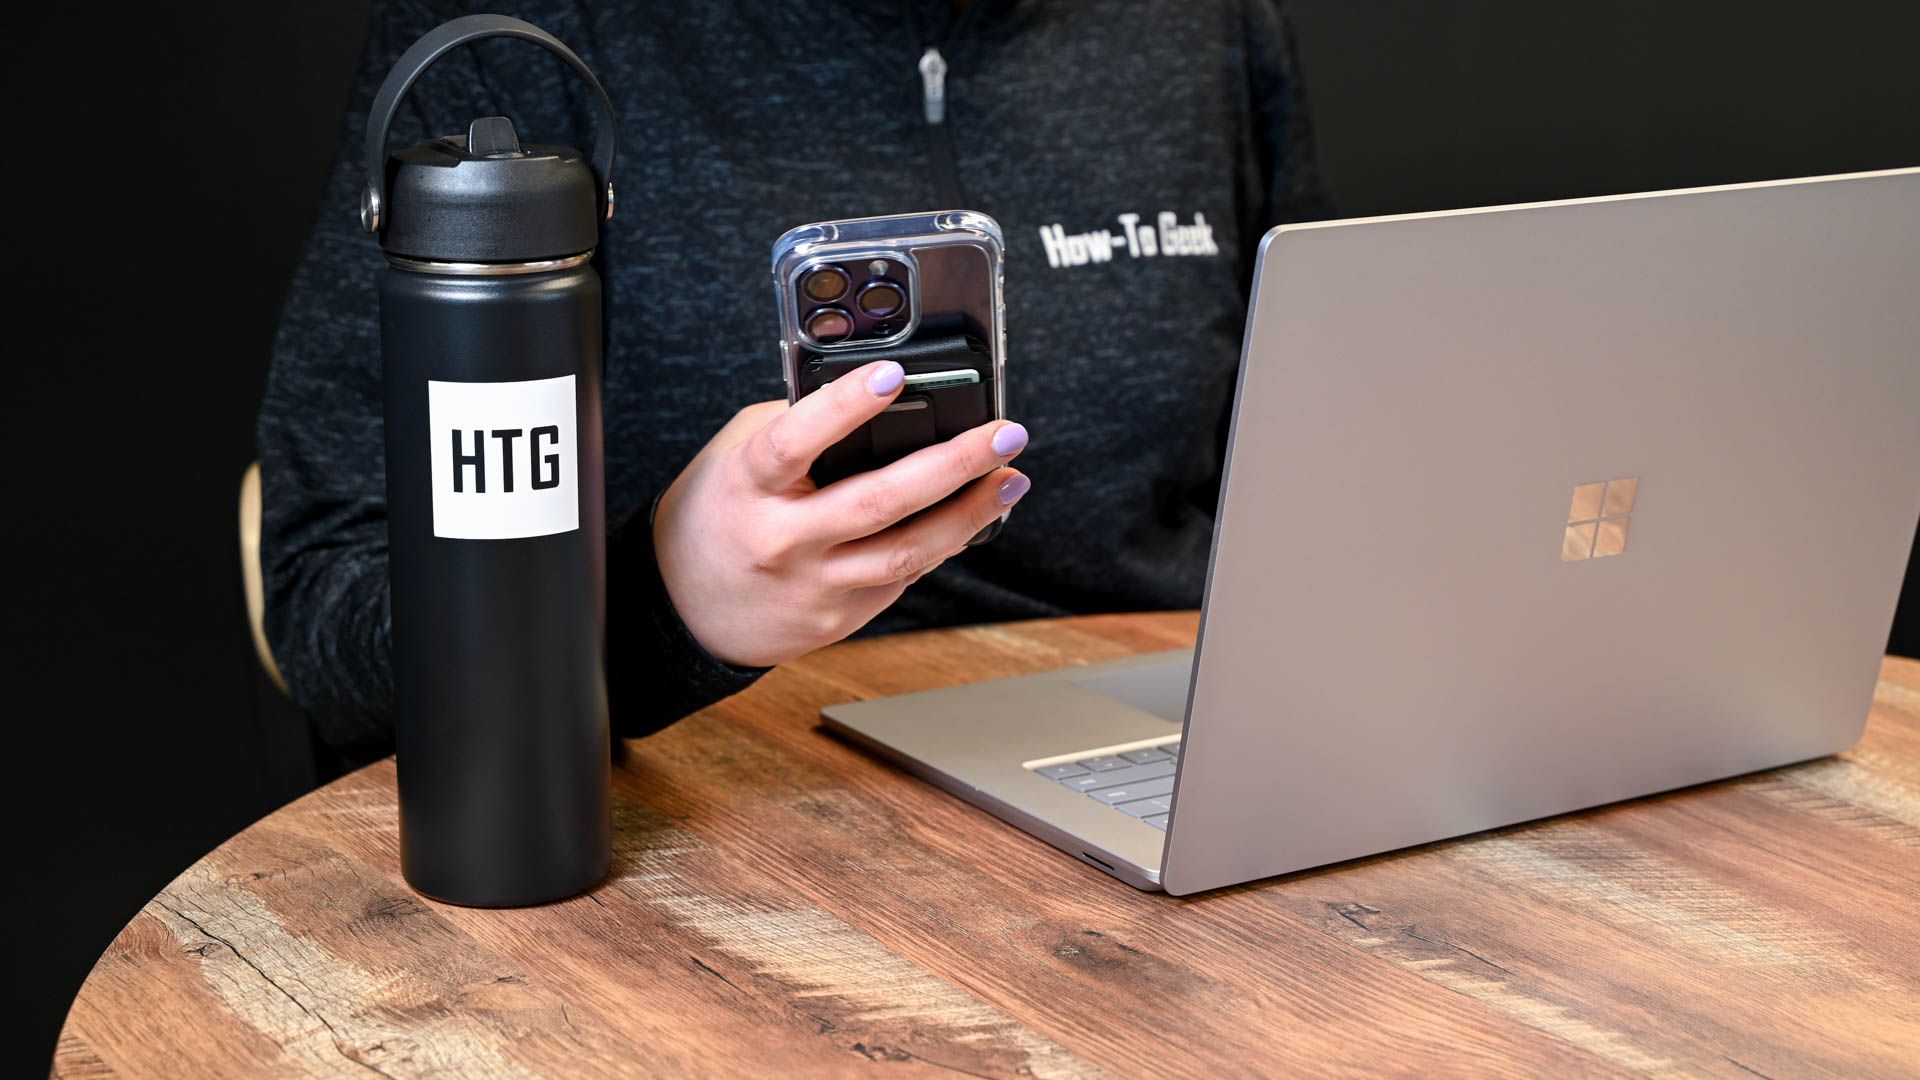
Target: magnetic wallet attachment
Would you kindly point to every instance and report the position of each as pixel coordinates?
(917, 418)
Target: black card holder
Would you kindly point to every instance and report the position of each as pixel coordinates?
(918, 418)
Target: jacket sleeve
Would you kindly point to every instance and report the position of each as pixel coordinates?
(657, 671)
(324, 522)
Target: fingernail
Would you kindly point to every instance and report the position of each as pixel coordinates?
(1010, 440)
(886, 378)
(1015, 486)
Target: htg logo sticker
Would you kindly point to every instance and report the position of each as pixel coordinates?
(504, 458)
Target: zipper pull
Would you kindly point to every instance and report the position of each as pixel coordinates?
(933, 84)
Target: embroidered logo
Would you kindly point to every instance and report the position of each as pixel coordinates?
(1167, 235)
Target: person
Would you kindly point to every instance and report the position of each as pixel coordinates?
(1133, 154)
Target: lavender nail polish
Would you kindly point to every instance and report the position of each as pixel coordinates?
(886, 379)
(1014, 487)
(1010, 440)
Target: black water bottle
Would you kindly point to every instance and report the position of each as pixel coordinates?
(490, 341)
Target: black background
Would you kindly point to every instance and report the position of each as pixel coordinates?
(166, 162)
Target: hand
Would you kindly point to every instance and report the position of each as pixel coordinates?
(763, 566)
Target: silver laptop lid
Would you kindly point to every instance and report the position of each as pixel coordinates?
(1428, 612)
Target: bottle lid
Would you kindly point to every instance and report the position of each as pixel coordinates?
(484, 197)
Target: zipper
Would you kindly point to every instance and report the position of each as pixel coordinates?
(933, 84)
(933, 92)
(932, 68)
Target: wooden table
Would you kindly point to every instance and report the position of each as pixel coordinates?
(782, 904)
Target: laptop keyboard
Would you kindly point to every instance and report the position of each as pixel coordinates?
(1135, 782)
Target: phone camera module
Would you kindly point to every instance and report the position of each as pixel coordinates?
(829, 325)
(824, 284)
(881, 299)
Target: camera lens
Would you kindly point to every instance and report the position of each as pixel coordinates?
(881, 299)
(829, 325)
(824, 285)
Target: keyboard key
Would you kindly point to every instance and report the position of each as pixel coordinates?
(1144, 789)
(1172, 749)
(1061, 772)
(1105, 762)
(1141, 757)
(1158, 821)
(1132, 774)
(1147, 807)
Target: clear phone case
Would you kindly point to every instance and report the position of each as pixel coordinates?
(837, 284)
(955, 260)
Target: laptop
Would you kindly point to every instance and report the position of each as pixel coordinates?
(1526, 509)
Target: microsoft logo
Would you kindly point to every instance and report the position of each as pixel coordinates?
(1597, 520)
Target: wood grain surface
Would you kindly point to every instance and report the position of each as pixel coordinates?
(782, 904)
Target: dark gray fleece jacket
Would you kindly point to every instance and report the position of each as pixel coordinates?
(1133, 152)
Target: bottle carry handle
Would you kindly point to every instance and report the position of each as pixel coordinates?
(424, 53)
